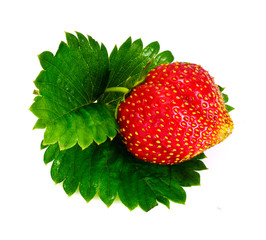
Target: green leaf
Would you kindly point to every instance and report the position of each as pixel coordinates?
(83, 125)
(109, 180)
(146, 196)
(127, 64)
(229, 108)
(51, 153)
(169, 189)
(185, 174)
(163, 200)
(109, 170)
(221, 88)
(129, 180)
(40, 124)
(225, 97)
(162, 58)
(68, 86)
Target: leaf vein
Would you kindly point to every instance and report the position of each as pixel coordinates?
(66, 77)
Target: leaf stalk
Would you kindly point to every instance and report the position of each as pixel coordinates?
(117, 89)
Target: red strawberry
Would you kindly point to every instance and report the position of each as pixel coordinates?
(176, 114)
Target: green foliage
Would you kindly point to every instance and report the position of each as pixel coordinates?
(110, 171)
(226, 99)
(76, 102)
(221, 88)
(83, 125)
(68, 85)
(229, 108)
(76, 77)
(127, 64)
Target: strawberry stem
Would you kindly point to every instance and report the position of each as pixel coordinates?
(117, 89)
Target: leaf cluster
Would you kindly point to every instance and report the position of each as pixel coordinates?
(76, 104)
(72, 103)
(226, 99)
(111, 172)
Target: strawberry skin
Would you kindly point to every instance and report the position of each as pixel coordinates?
(176, 114)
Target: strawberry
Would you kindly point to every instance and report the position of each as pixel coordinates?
(176, 114)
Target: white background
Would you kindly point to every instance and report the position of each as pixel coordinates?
(226, 37)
